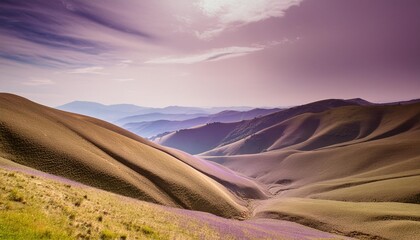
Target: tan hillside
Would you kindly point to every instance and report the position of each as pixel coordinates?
(104, 156)
(349, 153)
(349, 170)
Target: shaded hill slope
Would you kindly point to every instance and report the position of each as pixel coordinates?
(184, 139)
(230, 133)
(102, 155)
(344, 125)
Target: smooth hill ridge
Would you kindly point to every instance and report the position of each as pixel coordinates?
(187, 139)
(102, 155)
(340, 126)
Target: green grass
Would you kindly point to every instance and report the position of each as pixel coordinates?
(33, 207)
(38, 208)
(29, 224)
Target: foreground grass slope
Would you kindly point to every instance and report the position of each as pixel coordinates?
(34, 206)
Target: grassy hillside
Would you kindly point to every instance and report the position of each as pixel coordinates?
(34, 206)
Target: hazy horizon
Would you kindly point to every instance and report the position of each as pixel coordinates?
(210, 53)
(221, 106)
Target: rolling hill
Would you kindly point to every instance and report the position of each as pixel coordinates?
(359, 161)
(102, 155)
(358, 153)
(195, 140)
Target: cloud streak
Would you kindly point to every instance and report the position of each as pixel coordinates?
(124, 79)
(38, 82)
(212, 55)
(88, 70)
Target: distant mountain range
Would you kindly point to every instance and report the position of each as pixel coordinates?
(149, 117)
(116, 112)
(153, 128)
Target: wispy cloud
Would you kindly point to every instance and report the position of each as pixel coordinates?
(124, 63)
(234, 13)
(79, 32)
(124, 79)
(88, 70)
(212, 55)
(38, 82)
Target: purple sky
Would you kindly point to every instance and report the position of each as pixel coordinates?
(210, 52)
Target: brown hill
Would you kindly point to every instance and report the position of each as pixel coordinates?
(102, 155)
(351, 170)
(350, 153)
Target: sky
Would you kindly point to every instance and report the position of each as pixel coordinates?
(210, 52)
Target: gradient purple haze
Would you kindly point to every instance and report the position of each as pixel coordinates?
(209, 52)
